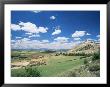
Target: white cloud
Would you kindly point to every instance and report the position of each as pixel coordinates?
(78, 33)
(57, 30)
(29, 27)
(53, 17)
(36, 11)
(13, 41)
(95, 40)
(90, 39)
(18, 37)
(77, 39)
(25, 39)
(45, 41)
(42, 29)
(26, 43)
(61, 39)
(15, 27)
(34, 35)
(88, 34)
(28, 33)
(98, 36)
(66, 45)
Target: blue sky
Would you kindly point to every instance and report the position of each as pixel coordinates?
(53, 29)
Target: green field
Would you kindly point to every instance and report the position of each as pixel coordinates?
(60, 64)
(56, 65)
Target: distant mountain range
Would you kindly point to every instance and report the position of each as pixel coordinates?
(42, 49)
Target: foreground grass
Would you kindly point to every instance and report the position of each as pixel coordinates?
(55, 66)
(89, 69)
(61, 66)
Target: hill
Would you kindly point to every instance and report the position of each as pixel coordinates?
(87, 47)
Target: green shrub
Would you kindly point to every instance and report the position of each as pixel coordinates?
(97, 73)
(82, 57)
(18, 73)
(70, 54)
(96, 56)
(69, 74)
(57, 54)
(94, 67)
(25, 72)
(72, 74)
(32, 72)
(65, 54)
(85, 61)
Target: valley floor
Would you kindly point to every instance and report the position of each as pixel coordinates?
(52, 66)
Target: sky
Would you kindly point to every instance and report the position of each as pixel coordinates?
(53, 29)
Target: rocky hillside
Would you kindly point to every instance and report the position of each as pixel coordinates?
(87, 47)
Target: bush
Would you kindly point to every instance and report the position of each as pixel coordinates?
(25, 72)
(96, 56)
(23, 56)
(72, 74)
(85, 61)
(57, 54)
(48, 51)
(13, 55)
(84, 71)
(97, 73)
(82, 57)
(18, 73)
(32, 72)
(94, 67)
(69, 74)
(70, 54)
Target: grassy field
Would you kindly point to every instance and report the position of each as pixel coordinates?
(55, 65)
(59, 64)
